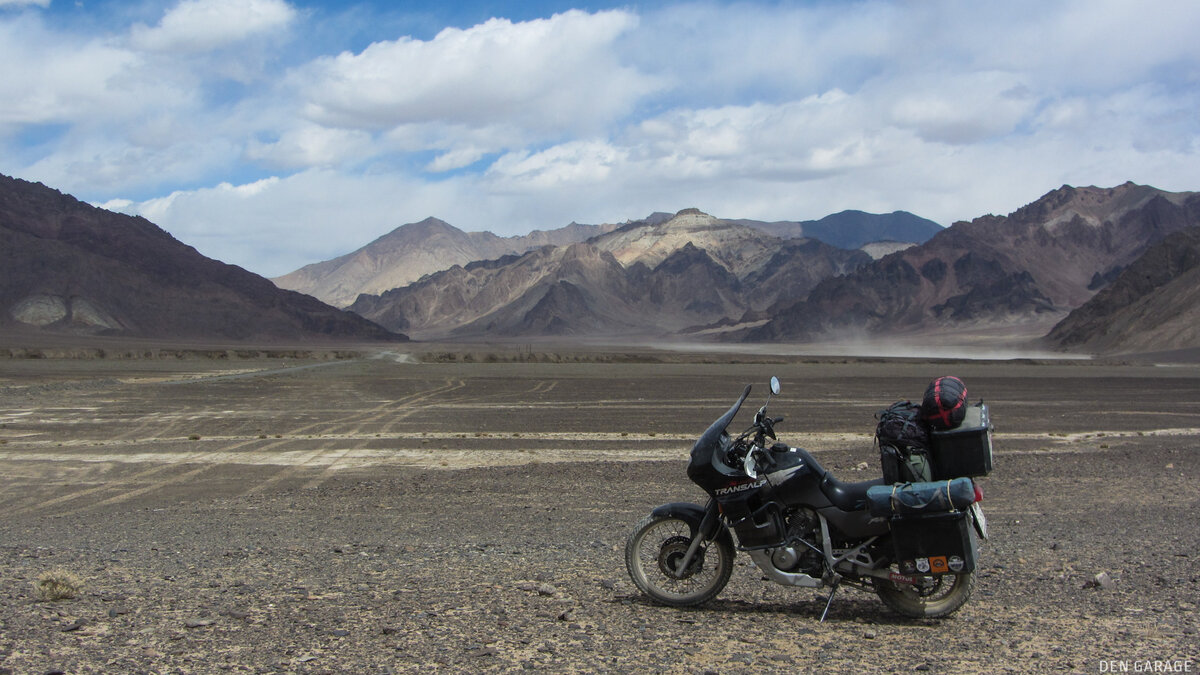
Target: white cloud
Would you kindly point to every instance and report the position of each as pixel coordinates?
(202, 25)
(582, 163)
(547, 76)
(310, 145)
(48, 78)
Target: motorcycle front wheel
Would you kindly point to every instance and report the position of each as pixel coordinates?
(933, 597)
(653, 552)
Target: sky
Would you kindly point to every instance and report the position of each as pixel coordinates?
(272, 134)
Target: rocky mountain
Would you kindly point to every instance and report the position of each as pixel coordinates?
(648, 277)
(854, 229)
(1152, 305)
(739, 249)
(411, 251)
(1030, 267)
(69, 267)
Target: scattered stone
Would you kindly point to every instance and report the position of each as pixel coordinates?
(198, 623)
(869, 635)
(546, 589)
(74, 626)
(339, 632)
(486, 651)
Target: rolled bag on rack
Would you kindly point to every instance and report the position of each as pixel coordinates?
(909, 499)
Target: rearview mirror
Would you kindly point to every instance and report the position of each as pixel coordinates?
(774, 385)
(748, 465)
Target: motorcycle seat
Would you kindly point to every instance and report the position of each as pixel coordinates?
(845, 496)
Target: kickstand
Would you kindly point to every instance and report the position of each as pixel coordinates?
(832, 590)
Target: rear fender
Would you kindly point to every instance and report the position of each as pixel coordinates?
(697, 517)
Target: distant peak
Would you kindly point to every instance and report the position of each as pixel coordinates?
(691, 212)
(432, 220)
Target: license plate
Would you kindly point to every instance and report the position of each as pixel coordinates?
(980, 520)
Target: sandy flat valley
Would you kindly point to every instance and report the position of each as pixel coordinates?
(387, 513)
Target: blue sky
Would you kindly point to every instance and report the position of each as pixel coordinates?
(271, 134)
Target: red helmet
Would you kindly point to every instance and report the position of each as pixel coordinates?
(945, 403)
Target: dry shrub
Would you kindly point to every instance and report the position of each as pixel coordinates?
(58, 584)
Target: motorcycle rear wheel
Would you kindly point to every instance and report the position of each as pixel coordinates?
(653, 552)
(935, 597)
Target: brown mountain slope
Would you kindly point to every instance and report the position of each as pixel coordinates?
(1035, 263)
(1153, 305)
(669, 282)
(411, 251)
(66, 266)
(738, 248)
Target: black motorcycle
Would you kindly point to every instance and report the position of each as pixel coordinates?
(914, 544)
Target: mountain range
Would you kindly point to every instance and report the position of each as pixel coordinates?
(1087, 268)
(1031, 267)
(656, 276)
(692, 274)
(411, 251)
(68, 267)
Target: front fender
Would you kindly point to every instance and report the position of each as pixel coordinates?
(697, 517)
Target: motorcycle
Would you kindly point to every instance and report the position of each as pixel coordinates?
(914, 544)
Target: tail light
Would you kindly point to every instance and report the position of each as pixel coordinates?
(978, 492)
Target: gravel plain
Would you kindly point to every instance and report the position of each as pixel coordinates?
(403, 513)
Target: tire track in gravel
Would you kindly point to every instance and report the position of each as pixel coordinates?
(37, 503)
(206, 460)
(286, 472)
(126, 495)
(356, 420)
(408, 407)
(409, 404)
(356, 423)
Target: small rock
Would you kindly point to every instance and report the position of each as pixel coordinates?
(565, 615)
(1104, 581)
(486, 651)
(546, 589)
(198, 623)
(339, 632)
(76, 625)
(608, 584)
(869, 635)
(861, 466)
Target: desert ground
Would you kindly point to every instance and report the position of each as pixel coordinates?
(413, 510)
